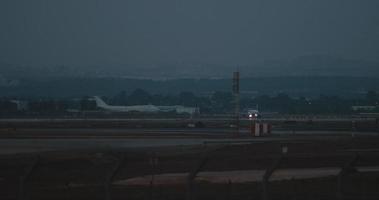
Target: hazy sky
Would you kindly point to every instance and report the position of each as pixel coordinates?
(126, 32)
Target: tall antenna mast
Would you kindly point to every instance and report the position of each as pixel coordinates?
(236, 95)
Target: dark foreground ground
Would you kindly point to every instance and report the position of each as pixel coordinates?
(91, 160)
(104, 173)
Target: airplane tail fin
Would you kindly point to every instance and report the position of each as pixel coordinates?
(99, 102)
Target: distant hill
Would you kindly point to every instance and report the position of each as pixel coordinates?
(318, 65)
(302, 76)
(309, 86)
(312, 65)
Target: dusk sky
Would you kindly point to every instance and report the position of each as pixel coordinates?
(148, 32)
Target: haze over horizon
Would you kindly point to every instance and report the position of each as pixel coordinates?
(117, 33)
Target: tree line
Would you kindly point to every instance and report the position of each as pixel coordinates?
(219, 102)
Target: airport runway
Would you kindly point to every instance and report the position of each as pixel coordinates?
(54, 139)
(29, 145)
(24, 133)
(116, 132)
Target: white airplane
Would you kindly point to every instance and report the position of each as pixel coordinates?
(145, 108)
(138, 108)
(179, 109)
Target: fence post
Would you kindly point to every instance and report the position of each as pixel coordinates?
(25, 178)
(192, 176)
(266, 177)
(153, 164)
(229, 190)
(108, 180)
(346, 169)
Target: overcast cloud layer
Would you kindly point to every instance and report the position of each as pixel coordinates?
(145, 32)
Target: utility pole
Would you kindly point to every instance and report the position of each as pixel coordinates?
(236, 95)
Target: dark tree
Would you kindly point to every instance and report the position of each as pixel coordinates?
(222, 102)
(187, 99)
(139, 97)
(120, 98)
(371, 97)
(86, 104)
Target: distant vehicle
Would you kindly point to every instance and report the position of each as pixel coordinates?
(145, 108)
(253, 114)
